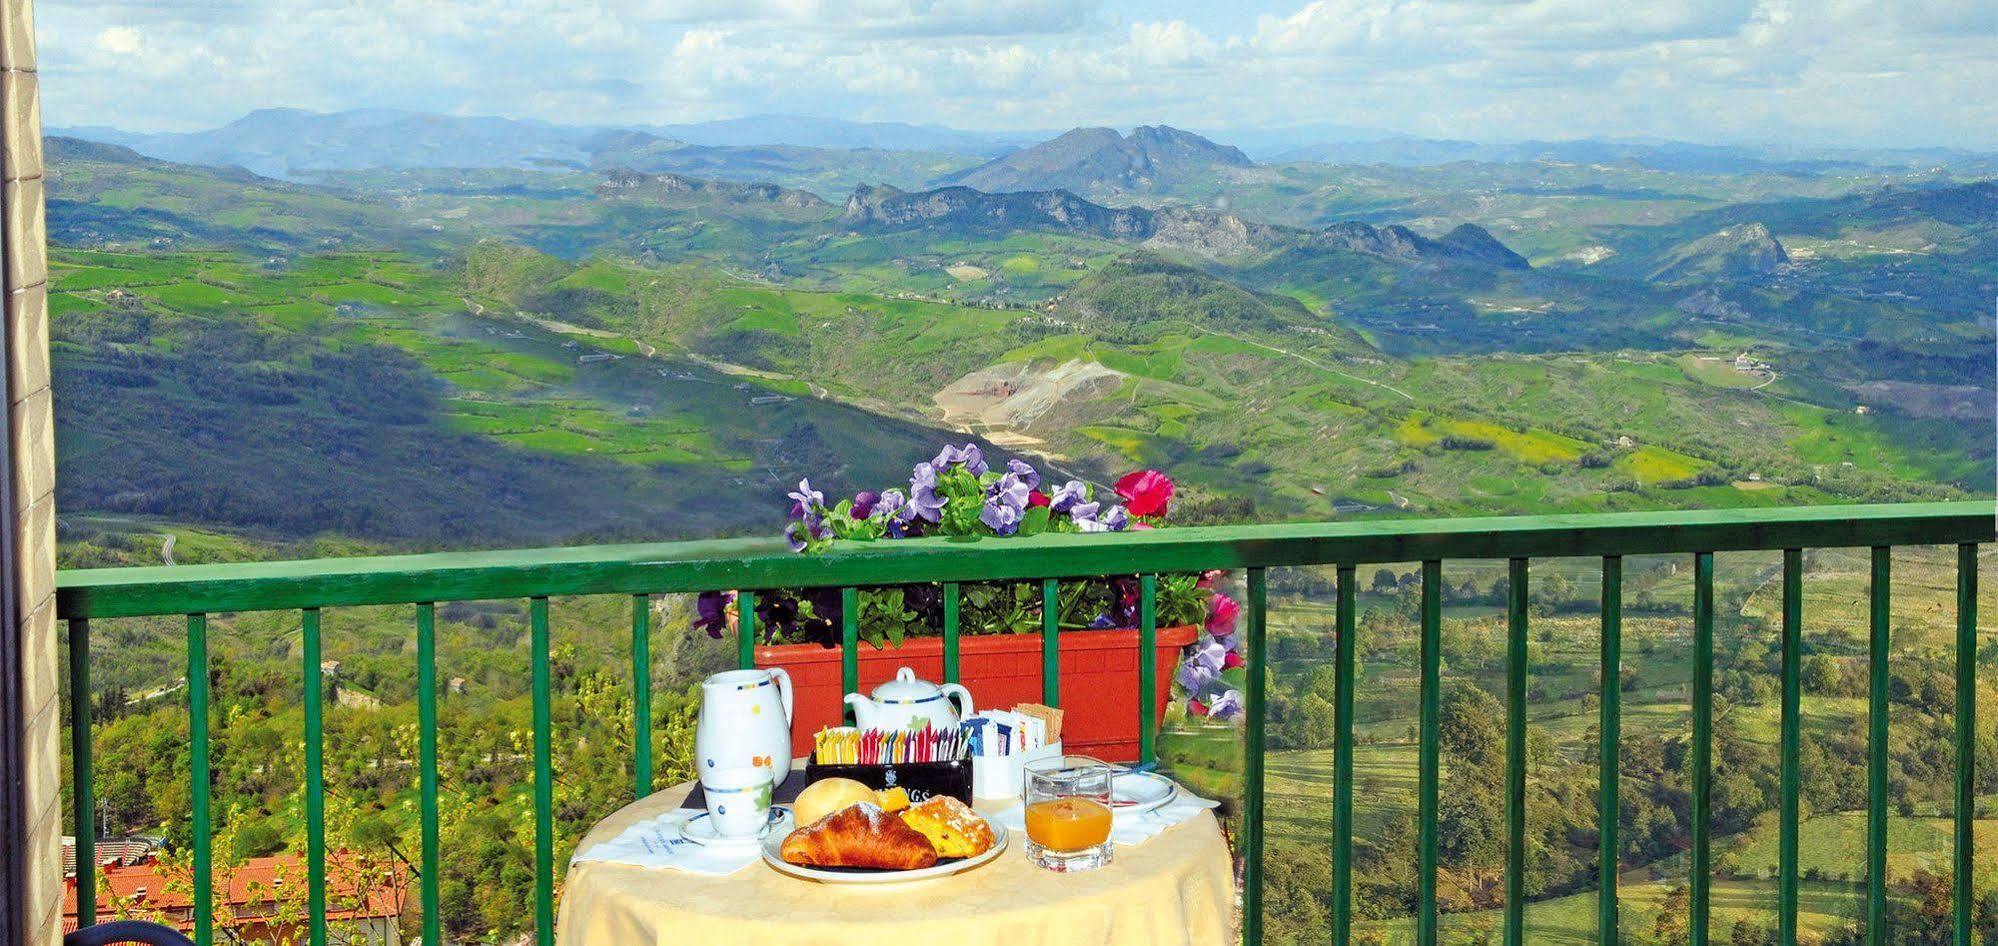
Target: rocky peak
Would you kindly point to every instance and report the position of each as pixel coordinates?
(1741, 251)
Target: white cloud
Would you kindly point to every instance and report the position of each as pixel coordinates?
(1170, 44)
(1866, 71)
(119, 40)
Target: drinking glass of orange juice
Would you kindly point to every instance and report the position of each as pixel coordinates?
(1068, 812)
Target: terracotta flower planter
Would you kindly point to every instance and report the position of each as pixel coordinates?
(1099, 680)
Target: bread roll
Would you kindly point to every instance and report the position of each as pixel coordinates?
(826, 796)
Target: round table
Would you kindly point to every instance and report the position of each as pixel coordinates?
(1177, 888)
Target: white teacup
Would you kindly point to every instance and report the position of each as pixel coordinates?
(738, 800)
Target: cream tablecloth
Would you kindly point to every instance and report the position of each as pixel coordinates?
(1177, 888)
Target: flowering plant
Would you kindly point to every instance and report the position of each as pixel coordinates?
(1211, 689)
(957, 493)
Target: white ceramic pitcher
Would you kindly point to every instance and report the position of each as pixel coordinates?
(745, 721)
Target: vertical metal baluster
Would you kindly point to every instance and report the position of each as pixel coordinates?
(1050, 643)
(849, 638)
(1344, 641)
(1703, 744)
(950, 631)
(1792, 740)
(1426, 780)
(641, 695)
(544, 779)
(1876, 755)
(745, 629)
(1609, 765)
(315, 781)
(1966, 735)
(1515, 754)
(81, 790)
(1252, 762)
(197, 746)
(426, 750)
(1148, 667)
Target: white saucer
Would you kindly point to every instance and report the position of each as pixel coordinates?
(700, 829)
(1141, 791)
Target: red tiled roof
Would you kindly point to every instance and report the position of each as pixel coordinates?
(256, 881)
(123, 851)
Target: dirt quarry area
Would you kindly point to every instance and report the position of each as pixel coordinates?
(1010, 397)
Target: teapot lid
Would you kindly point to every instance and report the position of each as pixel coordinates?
(905, 688)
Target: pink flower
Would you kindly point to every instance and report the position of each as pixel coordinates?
(1222, 613)
(1231, 660)
(1196, 707)
(1146, 493)
(1038, 498)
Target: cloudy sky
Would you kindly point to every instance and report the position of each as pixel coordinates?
(1807, 72)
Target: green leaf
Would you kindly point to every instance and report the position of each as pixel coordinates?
(1035, 521)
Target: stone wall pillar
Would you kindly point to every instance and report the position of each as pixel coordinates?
(31, 441)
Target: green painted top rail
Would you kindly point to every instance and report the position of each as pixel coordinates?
(767, 563)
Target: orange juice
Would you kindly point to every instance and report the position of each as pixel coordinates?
(1068, 824)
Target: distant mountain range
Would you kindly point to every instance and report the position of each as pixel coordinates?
(1677, 156)
(283, 142)
(1097, 159)
(837, 133)
(963, 210)
(292, 143)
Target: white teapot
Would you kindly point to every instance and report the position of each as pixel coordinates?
(908, 703)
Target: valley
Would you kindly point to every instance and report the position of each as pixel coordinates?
(304, 335)
(1305, 370)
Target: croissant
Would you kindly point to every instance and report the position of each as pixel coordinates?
(860, 835)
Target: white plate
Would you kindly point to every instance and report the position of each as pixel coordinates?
(1141, 791)
(773, 846)
(700, 829)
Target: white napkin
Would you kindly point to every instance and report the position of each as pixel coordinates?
(1127, 827)
(661, 843)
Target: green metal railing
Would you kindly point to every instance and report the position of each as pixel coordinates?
(420, 581)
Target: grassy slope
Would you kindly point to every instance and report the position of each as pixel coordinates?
(394, 415)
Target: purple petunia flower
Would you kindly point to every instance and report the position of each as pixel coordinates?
(1012, 491)
(1084, 515)
(1070, 493)
(806, 498)
(896, 513)
(969, 455)
(864, 503)
(1025, 472)
(1006, 505)
(1211, 655)
(1115, 520)
(1001, 517)
(1091, 517)
(812, 527)
(923, 493)
(711, 612)
(1226, 707)
(1197, 678)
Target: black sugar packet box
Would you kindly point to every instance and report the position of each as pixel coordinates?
(922, 780)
